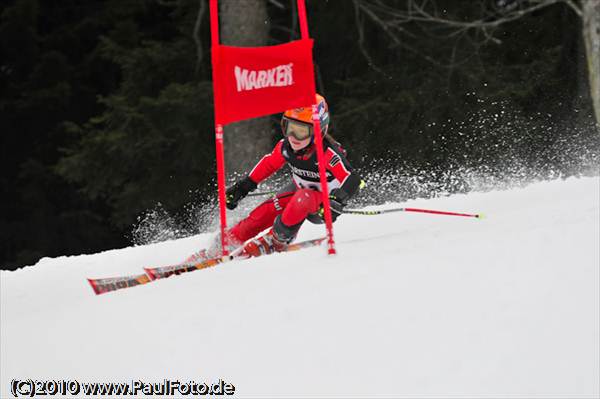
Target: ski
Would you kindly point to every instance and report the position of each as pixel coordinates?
(156, 273)
(103, 285)
(194, 262)
(295, 246)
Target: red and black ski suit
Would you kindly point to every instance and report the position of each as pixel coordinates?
(302, 197)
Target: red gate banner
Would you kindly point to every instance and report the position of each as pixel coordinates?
(257, 81)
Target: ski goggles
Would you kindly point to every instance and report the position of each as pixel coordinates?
(300, 130)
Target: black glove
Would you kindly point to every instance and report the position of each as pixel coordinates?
(238, 191)
(337, 202)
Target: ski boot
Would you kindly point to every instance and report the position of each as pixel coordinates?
(276, 240)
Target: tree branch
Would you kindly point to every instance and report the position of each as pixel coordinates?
(277, 4)
(578, 10)
(361, 39)
(417, 12)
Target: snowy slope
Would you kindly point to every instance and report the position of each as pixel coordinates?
(413, 305)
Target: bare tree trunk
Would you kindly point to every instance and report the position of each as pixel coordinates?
(591, 36)
(245, 23)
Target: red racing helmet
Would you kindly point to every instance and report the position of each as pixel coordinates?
(298, 121)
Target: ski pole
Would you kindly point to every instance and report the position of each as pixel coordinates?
(261, 193)
(369, 213)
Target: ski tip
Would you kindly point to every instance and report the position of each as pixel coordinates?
(480, 216)
(93, 285)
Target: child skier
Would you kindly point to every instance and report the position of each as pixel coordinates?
(299, 200)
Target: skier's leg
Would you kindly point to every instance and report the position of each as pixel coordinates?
(303, 203)
(286, 225)
(263, 216)
(259, 219)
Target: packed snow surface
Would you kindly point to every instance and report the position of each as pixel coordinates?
(412, 305)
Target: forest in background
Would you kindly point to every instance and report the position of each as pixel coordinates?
(106, 108)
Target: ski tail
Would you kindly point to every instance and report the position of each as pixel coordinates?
(103, 285)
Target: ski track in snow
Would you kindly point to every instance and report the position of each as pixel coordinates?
(413, 305)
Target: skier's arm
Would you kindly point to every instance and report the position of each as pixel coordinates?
(268, 165)
(341, 170)
(349, 179)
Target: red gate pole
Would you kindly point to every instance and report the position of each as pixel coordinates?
(219, 147)
(318, 142)
(221, 185)
(324, 188)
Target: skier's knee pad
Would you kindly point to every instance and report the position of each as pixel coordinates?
(303, 203)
